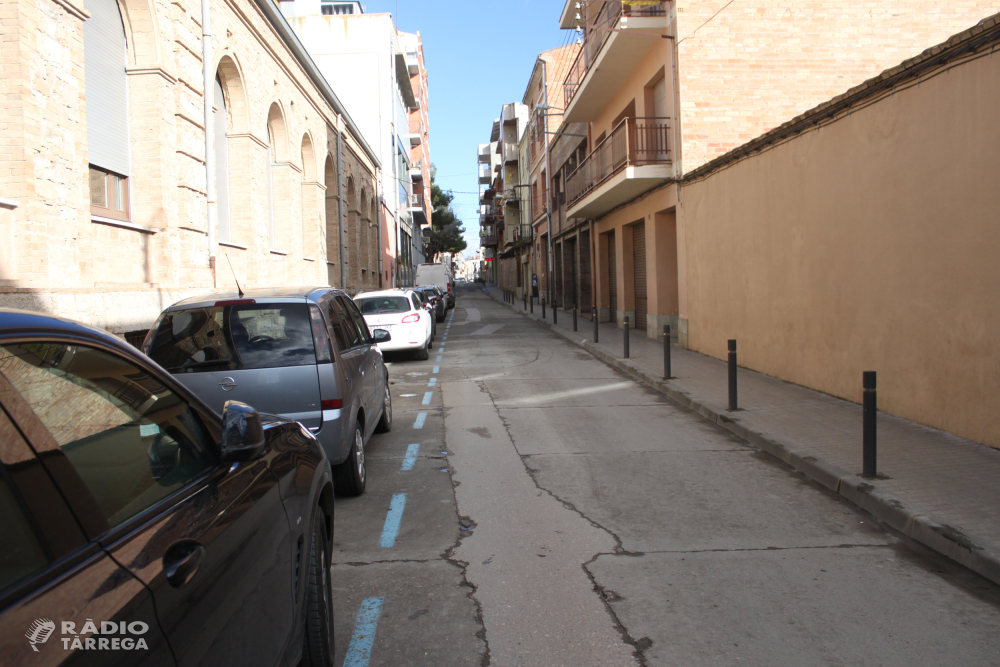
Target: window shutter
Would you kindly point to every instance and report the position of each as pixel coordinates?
(106, 87)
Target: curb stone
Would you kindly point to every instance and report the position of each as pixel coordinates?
(975, 553)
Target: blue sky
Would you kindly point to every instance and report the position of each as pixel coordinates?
(479, 56)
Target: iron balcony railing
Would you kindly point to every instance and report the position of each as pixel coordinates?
(523, 232)
(487, 239)
(416, 201)
(598, 30)
(634, 142)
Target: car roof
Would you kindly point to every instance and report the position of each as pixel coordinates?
(399, 291)
(276, 293)
(14, 322)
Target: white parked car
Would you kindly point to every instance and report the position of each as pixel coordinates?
(403, 315)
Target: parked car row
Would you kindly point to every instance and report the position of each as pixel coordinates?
(144, 493)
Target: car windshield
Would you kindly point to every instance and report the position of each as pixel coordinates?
(382, 305)
(231, 338)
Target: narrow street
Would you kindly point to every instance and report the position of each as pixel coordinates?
(558, 513)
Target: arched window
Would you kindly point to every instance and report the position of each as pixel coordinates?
(106, 86)
(220, 122)
(270, 186)
(332, 223)
(311, 211)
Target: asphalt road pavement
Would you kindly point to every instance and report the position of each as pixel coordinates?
(553, 512)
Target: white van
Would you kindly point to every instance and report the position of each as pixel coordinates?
(438, 275)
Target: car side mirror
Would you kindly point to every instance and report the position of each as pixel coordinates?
(381, 335)
(242, 433)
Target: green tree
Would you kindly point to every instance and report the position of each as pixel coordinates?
(446, 229)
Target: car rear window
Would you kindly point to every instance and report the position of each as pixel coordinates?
(232, 338)
(382, 305)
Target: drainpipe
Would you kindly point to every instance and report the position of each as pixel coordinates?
(378, 225)
(340, 197)
(206, 60)
(545, 188)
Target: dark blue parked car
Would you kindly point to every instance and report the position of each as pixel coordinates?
(137, 527)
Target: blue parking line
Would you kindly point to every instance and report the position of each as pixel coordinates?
(432, 382)
(441, 349)
(438, 359)
(359, 652)
(437, 369)
(421, 418)
(411, 456)
(444, 338)
(427, 398)
(392, 520)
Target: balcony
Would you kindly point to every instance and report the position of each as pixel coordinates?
(635, 158)
(508, 149)
(416, 208)
(417, 171)
(484, 154)
(487, 239)
(485, 175)
(617, 39)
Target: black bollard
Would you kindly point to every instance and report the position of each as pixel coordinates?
(593, 318)
(574, 319)
(870, 409)
(543, 308)
(732, 375)
(626, 337)
(666, 352)
(531, 304)
(526, 301)
(555, 313)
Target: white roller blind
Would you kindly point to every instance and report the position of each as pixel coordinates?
(106, 87)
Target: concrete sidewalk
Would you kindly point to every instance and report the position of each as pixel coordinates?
(937, 488)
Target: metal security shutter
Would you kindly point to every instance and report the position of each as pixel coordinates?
(639, 266)
(106, 87)
(613, 277)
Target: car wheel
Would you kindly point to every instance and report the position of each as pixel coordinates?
(385, 421)
(423, 354)
(318, 649)
(351, 475)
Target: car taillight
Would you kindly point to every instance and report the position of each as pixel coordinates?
(332, 404)
(411, 318)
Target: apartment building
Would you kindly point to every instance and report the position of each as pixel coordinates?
(666, 86)
(129, 183)
(760, 172)
(420, 205)
(490, 225)
(366, 58)
(562, 246)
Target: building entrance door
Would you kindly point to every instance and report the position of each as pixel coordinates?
(612, 277)
(639, 269)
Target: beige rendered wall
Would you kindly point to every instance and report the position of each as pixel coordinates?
(867, 244)
(746, 67)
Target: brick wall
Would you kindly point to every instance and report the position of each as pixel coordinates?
(746, 67)
(117, 277)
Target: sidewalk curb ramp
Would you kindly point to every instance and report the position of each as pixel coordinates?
(977, 554)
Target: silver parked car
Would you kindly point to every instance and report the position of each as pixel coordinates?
(302, 353)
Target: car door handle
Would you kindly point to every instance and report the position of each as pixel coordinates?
(181, 561)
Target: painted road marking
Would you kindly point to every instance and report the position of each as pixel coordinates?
(438, 359)
(441, 349)
(427, 398)
(487, 330)
(360, 650)
(421, 418)
(392, 520)
(411, 456)
(437, 369)
(432, 382)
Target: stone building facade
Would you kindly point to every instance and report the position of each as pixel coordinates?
(113, 246)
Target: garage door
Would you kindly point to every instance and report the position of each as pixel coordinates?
(639, 265)
(613, 276)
